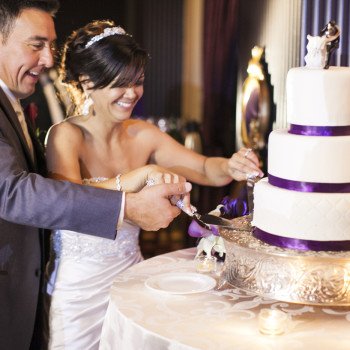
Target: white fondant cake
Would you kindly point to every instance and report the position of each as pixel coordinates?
(309, 158)
(321, 98)
(300, 215)
(318, 96)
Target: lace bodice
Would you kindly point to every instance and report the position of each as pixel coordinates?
(78, 245)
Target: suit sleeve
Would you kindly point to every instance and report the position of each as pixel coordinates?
(29, 199)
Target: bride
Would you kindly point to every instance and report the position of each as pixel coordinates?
(103, 65)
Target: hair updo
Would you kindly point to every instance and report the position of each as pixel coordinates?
(115, 58)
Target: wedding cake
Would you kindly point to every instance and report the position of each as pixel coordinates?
(304, 203)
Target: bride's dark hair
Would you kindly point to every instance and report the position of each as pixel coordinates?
(116, 58)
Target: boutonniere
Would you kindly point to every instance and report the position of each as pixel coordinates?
(31, 111)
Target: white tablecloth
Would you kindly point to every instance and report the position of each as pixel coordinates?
(141, 319)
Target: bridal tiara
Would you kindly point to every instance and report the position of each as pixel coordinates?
(107, 32)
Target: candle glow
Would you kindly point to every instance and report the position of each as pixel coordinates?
(272, 322)
(205, 263)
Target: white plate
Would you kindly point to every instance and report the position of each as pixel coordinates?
(180, 283)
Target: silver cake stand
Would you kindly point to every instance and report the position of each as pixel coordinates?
(306, 277)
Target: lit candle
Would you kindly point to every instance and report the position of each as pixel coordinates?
(272, 322)
(205, 263)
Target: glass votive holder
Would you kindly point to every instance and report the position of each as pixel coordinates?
(205, 263)
(272, 322)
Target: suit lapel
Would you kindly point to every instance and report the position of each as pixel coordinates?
(12, 117)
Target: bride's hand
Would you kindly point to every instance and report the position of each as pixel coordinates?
(243, 163)
(159, 175)
(153, 174)
(137, 179)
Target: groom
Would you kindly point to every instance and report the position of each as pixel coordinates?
(28, 201)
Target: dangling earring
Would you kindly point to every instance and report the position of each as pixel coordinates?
(86, 108)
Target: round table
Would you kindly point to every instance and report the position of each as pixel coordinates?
(139, 318)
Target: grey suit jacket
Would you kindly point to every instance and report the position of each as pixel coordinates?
(29, 201)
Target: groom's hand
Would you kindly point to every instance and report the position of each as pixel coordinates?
(151, 208)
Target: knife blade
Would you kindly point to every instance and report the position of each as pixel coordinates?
(207, 220)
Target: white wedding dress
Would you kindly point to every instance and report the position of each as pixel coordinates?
(80, 273)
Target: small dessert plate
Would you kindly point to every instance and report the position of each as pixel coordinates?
(180, 283)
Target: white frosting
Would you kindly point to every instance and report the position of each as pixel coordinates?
(309, 158)
(318, 97)
(293, 214)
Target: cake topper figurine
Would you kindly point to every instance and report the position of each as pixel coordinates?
(332, 34)
(321, 47)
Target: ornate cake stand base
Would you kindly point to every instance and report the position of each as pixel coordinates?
(306, 277)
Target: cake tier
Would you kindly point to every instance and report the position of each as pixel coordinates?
(318, 159)
(300, 215)
(318, 97)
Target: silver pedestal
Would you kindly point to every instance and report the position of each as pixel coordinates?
(306, 277)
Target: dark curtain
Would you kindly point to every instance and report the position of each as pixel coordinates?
(220, 65)
(220, 58)
(158, 25)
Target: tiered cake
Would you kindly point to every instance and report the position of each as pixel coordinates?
(304, 203)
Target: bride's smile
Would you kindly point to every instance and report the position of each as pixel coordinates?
(116, 102)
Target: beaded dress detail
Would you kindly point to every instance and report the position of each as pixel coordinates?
(78, 246)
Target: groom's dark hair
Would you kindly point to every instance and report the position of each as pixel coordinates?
(11, 9)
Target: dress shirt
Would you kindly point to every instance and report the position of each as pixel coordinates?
(121, 214)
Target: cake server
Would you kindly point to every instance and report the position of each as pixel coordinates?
(208, 220)
(251, 178)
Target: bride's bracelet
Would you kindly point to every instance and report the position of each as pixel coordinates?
(117, 181)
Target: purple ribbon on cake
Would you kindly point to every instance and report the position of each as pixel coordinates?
(300, 244)
(311, 130)
(303, 186)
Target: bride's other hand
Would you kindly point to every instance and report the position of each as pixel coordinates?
(244, 162)
(151, 208)
(159, 175)
(151, 174)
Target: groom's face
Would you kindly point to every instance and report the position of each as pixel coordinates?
(27, 51)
